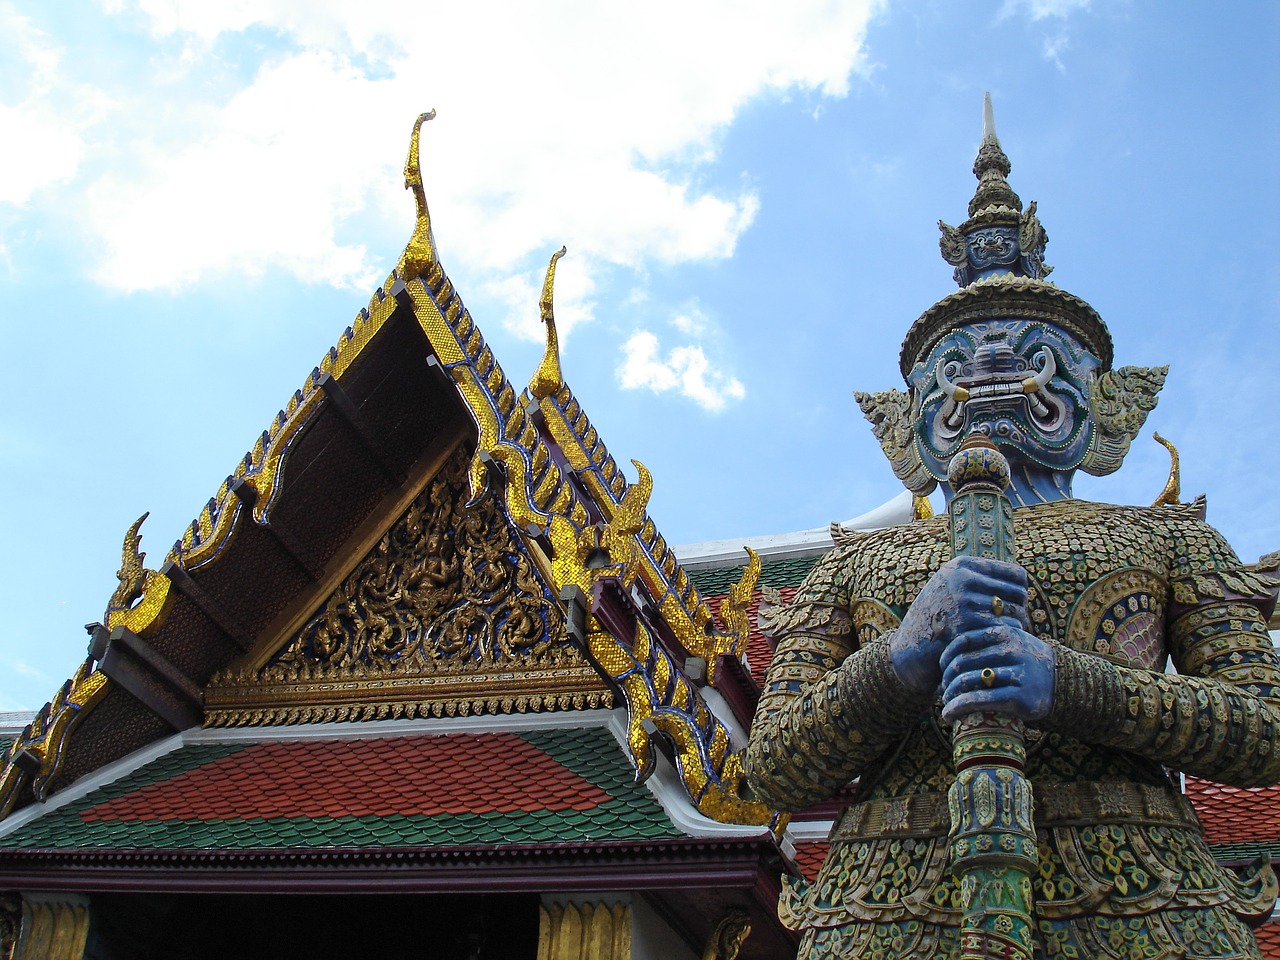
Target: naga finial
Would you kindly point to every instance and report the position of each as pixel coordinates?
(420, 252)
(548, 378)
(628, 517)
(736, 605)
(132, 575)
(1172, 491)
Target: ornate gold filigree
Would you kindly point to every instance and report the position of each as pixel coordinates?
(538, 498)
(610, 548)
(584, 931)
(659, 698)
(725, 942)
(53, 926)
(685, 612)
(447, 597)
(140, 601)
(10, 923)
(131, 573)
(734, 607)
(420, 251)
(45, 738)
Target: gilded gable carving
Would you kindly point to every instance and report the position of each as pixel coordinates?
(446, 615)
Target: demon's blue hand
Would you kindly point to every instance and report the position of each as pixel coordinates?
(998, 667)
(955, 602)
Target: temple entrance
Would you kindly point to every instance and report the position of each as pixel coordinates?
(141, 926)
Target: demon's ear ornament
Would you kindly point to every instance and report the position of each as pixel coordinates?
(1119, 402)
(890, 415)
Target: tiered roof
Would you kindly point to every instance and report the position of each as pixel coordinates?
(412, 537)
(415, 789)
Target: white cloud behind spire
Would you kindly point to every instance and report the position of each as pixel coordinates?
(588, 125)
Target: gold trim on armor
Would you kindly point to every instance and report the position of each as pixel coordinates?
(1056, 805)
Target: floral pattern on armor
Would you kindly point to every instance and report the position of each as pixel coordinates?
(1123, 868)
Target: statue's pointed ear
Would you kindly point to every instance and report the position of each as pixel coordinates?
(1119, 401)
(890, 415)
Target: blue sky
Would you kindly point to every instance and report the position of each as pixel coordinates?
(196, 198)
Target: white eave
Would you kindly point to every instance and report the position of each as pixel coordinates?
(711, 554)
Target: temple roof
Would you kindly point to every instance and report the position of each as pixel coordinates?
(1241, 824)
(532, 787)
(406, 448)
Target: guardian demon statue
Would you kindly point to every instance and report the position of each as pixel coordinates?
(1048, 656)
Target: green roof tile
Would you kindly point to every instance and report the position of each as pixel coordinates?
(775, 573)
(627, 812)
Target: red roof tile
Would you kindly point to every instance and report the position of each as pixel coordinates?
(1236, 814)
(809, 857)
(431, 776)
(1269, 940)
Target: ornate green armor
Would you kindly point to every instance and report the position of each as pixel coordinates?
(1114, 597)
(1123, 868)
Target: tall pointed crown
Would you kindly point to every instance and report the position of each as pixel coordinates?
(998, 255)
(994, 197)
(999, 238)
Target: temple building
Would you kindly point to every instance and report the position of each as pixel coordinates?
(424, 678)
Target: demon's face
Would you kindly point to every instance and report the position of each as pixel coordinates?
(1023, 383)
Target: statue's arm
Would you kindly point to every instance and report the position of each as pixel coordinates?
(828, 708)
(1219, 716)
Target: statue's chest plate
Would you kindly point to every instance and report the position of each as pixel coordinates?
(1096, 586)
(1099, 587)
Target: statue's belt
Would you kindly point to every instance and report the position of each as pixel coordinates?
(1056, 805)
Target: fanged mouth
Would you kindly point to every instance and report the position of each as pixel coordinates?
(1046, 410)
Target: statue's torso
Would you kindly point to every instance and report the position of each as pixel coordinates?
(1100, 583)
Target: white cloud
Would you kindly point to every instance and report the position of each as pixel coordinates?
(39, 126)
(588, 125)
(521, 292)
(691, 321)
(685, 370)
(268, 185)
(1053, 49)
(25, 670)
(1044, 9)
(1054, 44)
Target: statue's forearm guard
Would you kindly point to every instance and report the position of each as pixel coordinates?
(1219, 716)
(825, 715)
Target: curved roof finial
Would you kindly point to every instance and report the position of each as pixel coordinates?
(1172, 492)
(420, 252)
(132, 575)
(548, 378)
